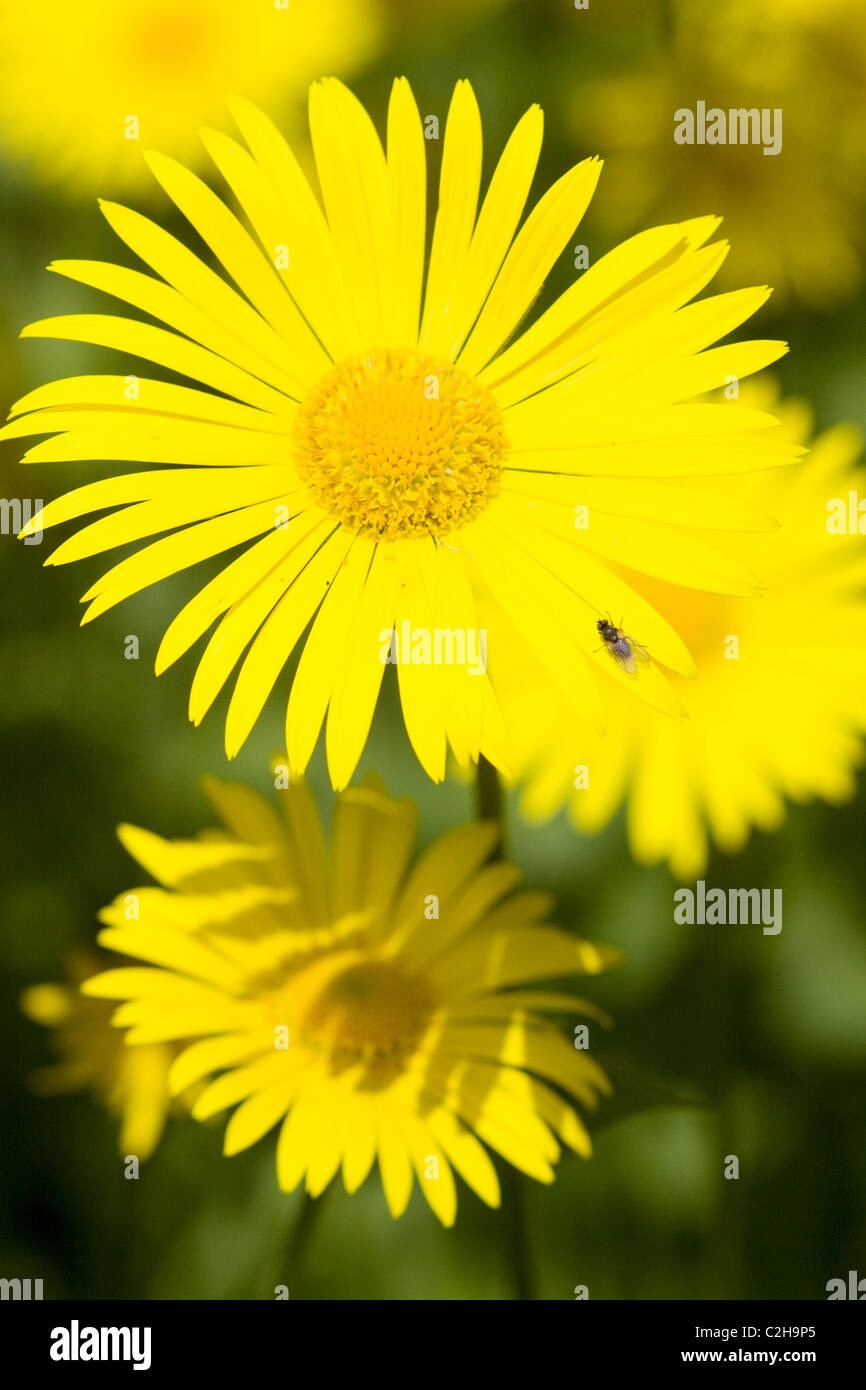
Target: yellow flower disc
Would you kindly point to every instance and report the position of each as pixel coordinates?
(368, 1009)
(398, 444)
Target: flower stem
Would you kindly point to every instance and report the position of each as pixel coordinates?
(517, 1231)
(490, 801)
(491, 806)
(291, 1259)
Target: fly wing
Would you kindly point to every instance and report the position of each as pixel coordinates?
(623, 657)
(640, 652)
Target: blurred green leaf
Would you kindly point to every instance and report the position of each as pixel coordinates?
(636, 1090)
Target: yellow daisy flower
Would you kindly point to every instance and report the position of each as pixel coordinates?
(131, 1082)
(779, 709)
(85, 87)
(369, 1008)
(385, 466)
(805, 62)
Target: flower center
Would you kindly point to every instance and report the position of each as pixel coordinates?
(398, 444)
(169, 38)
(346, 1003)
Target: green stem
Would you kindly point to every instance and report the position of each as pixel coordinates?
(490, 801)
(517, 1231)
(291, 1259)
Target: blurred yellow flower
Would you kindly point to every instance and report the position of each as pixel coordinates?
(85, 87)
(369, 1008)
(795, 217)
(385, 466)
(779, 707)
(131, 1082)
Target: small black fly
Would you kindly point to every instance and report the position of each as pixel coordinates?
(622, 648)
